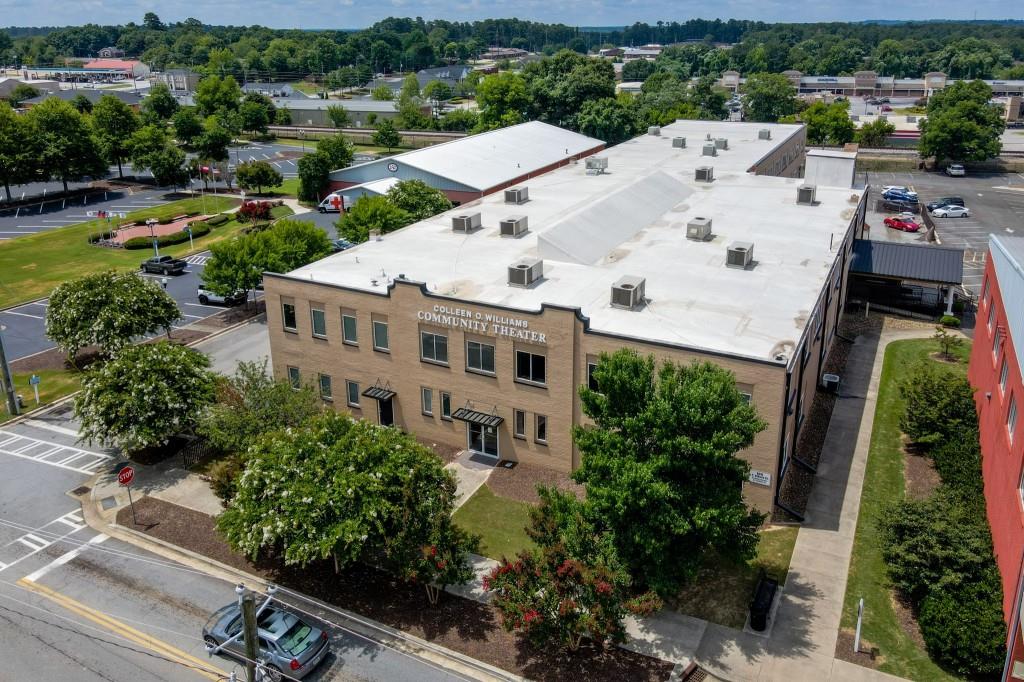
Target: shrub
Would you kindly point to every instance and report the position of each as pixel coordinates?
(963, 627)
(199, 229)
(223, 476)
(958, 462)
(253, 211)
(950, 321)
(165, 221)
(939, 405)
(218, 220)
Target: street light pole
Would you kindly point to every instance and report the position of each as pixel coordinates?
(152, 233)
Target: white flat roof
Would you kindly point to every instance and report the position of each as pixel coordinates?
(593, 229)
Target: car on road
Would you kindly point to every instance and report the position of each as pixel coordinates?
(886, 107)
(945, 201)
(955, 170)
(901, 223)
(952, 212)
(206, 297)
(287, 644)
(164, 265)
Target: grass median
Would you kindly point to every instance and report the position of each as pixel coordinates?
(54, 384)
(31, 266)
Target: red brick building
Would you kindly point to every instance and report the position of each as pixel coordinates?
(995, 373)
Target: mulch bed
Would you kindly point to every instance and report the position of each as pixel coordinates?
(919, 474)
(462, 625)
(447, 453)
(844, 651)
(520, 483)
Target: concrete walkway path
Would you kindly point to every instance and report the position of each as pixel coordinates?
(470, 473)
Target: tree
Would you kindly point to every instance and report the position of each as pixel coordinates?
(107, 309)
(349, 491)
(22, 92)
(68, 150)
(947, 342)
(144, 395)
(82, 104)
(283, 117)
(338, 151)
(437, 91)
(709, 99)
(573, 586)
(382, 93)
(313, 170)
(338, 116)
(459, 119)
(875, 134)
(296, 243)
(654, 433)
(215, 94)
(371, 213)
(606, 119)
(939, 405)
(187, 126)
(637, 70)
(767, 97)
(160, 102)
(212, 144)
(251, 403)
(114, 123)
(253, 117)
(418, 199)
(152, 22)
(18, 149)
(150, 147)
(386, 135)
(961, 124)
(828, 123)
(257, 175)
(237, 264)
(502, 100)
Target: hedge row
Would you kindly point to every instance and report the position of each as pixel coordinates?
(199, 229)
(217, 220)
(166, 220)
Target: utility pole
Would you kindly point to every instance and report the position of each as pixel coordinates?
(252, 648)
(5, 378)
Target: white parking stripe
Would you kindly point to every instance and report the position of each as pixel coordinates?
(15, 448)
(64, 558)
(13, 312)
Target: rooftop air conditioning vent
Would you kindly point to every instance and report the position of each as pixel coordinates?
(805, 194)
(764, 134)
(628, 292)
(525, 272)
(709, 149)
(698, 229)
(654, 130)
(708, 137)
(705, 173)
(514, 226)
(517, 195)
(721, 143)
(597, 165)
(679, 142)
(739, 255)
(466, 223)
(911, 119)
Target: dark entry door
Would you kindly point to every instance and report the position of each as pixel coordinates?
(387, 412)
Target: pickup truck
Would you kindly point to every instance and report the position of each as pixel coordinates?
(164, 265)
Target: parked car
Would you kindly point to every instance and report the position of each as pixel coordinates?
(952, 212)
(901, 223)
(338, 245)
(955, 170)
(900, 197)
(287, 643)
(164, 265)
(884, 100)
(886, 107)
(898, 188)
(334, 203)
(871, 100)
(945, 201)
(206, 297)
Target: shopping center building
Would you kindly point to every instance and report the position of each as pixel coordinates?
(476, 327)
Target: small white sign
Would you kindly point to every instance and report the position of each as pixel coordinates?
(760, 477)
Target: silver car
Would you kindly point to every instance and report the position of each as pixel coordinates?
(287, 644)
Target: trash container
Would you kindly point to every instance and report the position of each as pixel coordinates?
(761, 604)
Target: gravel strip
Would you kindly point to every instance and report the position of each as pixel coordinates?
(520, 483)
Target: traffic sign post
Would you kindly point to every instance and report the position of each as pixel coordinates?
(34, 381)
(125, 476)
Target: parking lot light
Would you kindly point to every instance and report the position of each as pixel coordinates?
(152, 233)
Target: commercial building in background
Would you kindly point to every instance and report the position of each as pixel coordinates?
(871, 84)
(476, 327)
(132, 99)
(474, 166)
(997, 358)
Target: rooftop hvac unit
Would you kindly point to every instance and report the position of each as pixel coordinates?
(805, 194)
(679, 142)
(830, 382)
(721, 143)
(654, 130)
(705, 173)
(764, 134)
(628, 292)
(698, 229)
(911, 119)
(517, 195)
(525, 272)
(739, 255)
(514, 226)
(708, 137)
(709, 149)
(466, 223)
(599, 164)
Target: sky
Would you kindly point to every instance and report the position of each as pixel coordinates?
(361, 13)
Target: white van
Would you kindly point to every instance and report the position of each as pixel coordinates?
(334, 203)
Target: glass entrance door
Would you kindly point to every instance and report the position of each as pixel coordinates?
(483, 439)
(387, 412)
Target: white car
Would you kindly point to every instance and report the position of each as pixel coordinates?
(952, 212)
(955, 170)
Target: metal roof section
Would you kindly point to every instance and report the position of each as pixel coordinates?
(475, 417)
(592, 230)
(1007, 255)
(919, 262)
(489, 159)
(373, 187)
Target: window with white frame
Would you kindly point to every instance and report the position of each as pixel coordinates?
(995, 344)
(446, 405)
(380, 336)
(352, 389)
(294, 378)
(325, 387)
(991, 317)
(984, 292)
(349, 329)
(434, 347)
(541, 433)
(480, 357)
(427, 401)
(319, 320)
(1003, 374)
(531, 367)
(288, 316)
(519, 424)
(1011, 418)
(591, 379)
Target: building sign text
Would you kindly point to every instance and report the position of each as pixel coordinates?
(482, 323)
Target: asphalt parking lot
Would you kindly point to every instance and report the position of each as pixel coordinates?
(996, 201)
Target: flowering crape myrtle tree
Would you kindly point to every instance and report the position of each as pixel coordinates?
(347, 490)
(145, 395)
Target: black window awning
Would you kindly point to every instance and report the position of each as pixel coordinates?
(379, 393)
(467, 415)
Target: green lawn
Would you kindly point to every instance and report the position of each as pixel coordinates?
(32, 265)
(499, 521)
(53, 385)
(883, 483)
(288, 188)
(307, 88)
(722, 590)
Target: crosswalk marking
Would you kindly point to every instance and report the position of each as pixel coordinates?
(197, 260)
(50, 534)
(33, 542)
(52, 454)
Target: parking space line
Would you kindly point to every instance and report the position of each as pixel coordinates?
(13, 312)
(196, 317)
(200, 305)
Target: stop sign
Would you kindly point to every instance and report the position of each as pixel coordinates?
(126, 475)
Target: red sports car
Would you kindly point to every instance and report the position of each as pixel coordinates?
(904, 224)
